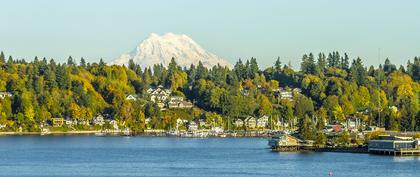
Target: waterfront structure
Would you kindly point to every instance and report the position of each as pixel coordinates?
(114, 124)
(192, 126)
(263, 121)
(98, 120)
(250, 122)
(394, 145)
(284, 142)
(57, 122)
(238, 123)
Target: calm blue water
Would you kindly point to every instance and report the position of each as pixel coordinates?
(171, 157)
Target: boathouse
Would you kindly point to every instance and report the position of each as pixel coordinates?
(394, 145)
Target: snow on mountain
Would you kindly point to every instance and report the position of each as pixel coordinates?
(160, 49)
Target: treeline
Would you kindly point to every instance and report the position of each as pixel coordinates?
(333, 86)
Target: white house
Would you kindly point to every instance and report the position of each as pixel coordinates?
(250, 122)
(98, 120)
(159, 94)
(238, 123)
(192, 126)
(114, 124)
(3, 95)
(262, 122)
(131, 97)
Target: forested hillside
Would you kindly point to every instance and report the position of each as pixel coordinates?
(333, 87)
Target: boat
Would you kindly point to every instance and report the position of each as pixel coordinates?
(100, 134)
(126, 132)
(172, 133)
(45, 131)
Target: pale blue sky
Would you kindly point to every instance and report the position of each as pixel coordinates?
(231, 29)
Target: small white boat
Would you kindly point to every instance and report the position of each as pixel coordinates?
(126, 132)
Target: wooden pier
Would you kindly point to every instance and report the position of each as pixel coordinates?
(396, 152)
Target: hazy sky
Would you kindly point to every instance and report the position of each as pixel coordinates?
(231, 29)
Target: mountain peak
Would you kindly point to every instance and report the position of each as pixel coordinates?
(158, 49)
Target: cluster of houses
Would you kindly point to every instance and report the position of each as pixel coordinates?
(97, 120)
(286, 93)
(252, 122)
(163, 98)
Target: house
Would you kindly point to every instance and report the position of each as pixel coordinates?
(159, 94)
(2, 126)
(57, 122)
(282, 123)
(392, 145)
(335, 128)
(98, 120)
(69, 122)
(284, 94)
(3, 95)
(131, 97)
(147, 120)
(202, 122)
(192, 126)
(176, 99)
(250, 122)
(262, 122)
(374, 128)
(114, 124)
(178, 102)
(238, 123)
(181, 121)
(353, 123)
(283, 140)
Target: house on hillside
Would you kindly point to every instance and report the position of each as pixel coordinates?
(131, 97)
(178, 102)
(262, 122)
(159, 94)
(250, 122)
(3, 95)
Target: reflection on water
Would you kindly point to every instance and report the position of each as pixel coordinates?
(183, 157)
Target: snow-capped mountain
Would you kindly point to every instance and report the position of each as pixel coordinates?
(160, 49)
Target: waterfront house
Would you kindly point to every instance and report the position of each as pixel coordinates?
(192, 126)
(114, 124)
(2, 126)
(284, 141)
(262, 122)
(394, 145)
(202, 122)
(98, 120)
(250, 122)
(374, 128)
(131, 97)
(57, 122)
(238, 123)
(3, 95)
